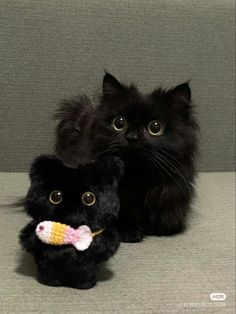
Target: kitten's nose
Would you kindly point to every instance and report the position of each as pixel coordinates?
(131, 136)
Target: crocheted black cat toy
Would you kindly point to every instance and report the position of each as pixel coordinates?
(73, 212)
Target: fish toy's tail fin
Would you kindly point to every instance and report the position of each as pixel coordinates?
(85, 238)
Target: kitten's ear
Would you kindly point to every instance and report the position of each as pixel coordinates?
(46, 167)
(181, 94)
(111, 85)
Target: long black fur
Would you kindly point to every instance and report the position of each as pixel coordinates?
(64, 265)
(158, 186)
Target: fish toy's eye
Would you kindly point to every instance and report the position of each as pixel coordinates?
(119, 123)
(155, 128)
(88, 198)
(55, 197)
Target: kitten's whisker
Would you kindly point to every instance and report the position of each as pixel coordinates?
(163, 168)
(174, 168)
(154, 163)
(172, 157)
(111, 149)
(159, 161)
(170, 175)
(158, 168)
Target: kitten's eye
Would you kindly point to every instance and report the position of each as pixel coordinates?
(55, 197)
(155, 128)
(88, 198)
(119, 123)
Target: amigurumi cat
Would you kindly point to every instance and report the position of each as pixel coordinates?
(73, 212)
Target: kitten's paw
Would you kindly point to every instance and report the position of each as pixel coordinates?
(131, 234)
(84, 285)
(163, 230)
(88, 284)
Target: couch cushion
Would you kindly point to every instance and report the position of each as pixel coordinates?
(55, 49)
(160, 275)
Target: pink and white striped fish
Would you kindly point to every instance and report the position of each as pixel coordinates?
(56, 233)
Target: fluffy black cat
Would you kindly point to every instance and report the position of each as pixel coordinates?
(75, 197)
(156, 135)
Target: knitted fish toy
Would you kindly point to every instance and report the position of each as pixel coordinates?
(56, 233)
(74, 212)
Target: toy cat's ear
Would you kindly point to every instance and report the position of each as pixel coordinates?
(111, 85)
(114, 167)
(181, 94)
(104, 170)
(111, 169)
(46, 166)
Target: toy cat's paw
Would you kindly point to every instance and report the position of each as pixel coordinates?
(48, 281)
(86, 279)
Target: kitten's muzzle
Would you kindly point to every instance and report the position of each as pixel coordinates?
(131, 137)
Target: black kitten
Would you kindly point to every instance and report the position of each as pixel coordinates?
(75, 197)
(156, 136)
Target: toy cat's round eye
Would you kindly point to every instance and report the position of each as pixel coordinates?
(119, 123)
(155, 128)
(55, 197)
(88, 198)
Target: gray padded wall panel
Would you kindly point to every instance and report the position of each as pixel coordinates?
(54, 49)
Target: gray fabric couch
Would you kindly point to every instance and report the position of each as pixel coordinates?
(52, 50)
